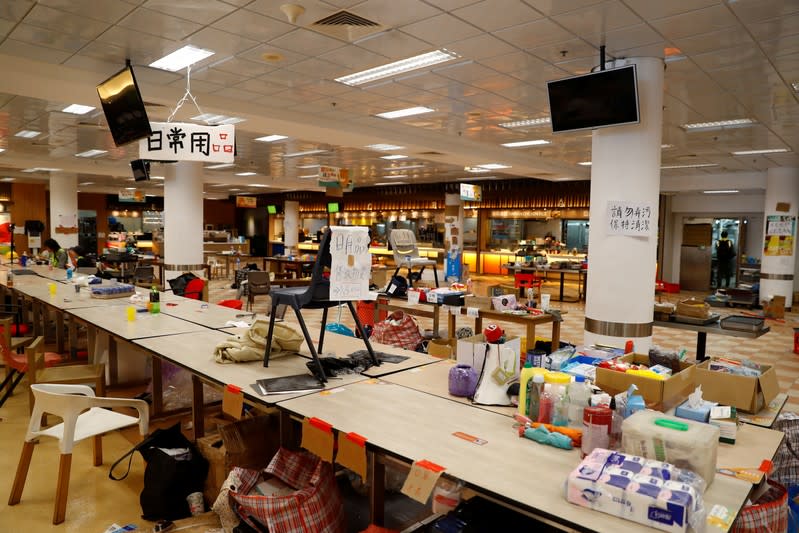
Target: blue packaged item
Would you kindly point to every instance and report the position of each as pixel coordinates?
(699, 413)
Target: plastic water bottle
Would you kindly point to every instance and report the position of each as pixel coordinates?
(69, 273)
(155, 301)
(545, 407)
(560, 415)
(238, 263)
(579, 394)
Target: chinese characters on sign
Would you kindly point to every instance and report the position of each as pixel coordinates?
(780, 230)
(630, 218)
(176, 141)
(351, 264)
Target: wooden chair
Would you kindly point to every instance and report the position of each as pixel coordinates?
(39, 372)
(84, 416)
(17, 364)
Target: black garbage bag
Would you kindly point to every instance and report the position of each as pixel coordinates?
(179, 283)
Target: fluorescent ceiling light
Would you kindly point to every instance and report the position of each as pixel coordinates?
(795, 86)
(397, 176)
(727, 191)
(384, 147)
(528, 122)
(382, 183)
(27, 134)
(519, 144)
(257, 185)
(393, 156)
(720, 124)
(764, 151)
(479, 178)
(214, 119)
(41, 169)
(695, 165)
(130, 188)
(91, 153)
(245, 173)
(308, 176)
(308, 166)
(86, 183)
(181, 58)
(475, 170)
(235, 189)
(9, 178)
(220, 166)
(404, 167)
(584, 163)
(271, 138)
(77, 109)
(398, 67)
(306, 152)
(2, 150)
(156, 177)
(407, 112)
(493, 166)
(666, 146)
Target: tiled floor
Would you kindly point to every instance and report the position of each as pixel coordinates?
(96, 502)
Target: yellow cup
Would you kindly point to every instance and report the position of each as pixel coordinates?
(131, 313)
(52, 288)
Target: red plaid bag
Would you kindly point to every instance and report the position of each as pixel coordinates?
(399, 329)
(315, 506)
(769, 513)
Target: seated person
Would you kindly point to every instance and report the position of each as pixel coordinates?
(58, 256)
(77, 259)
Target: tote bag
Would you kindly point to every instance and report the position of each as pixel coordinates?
(400, 330)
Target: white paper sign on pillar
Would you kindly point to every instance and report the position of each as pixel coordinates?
(179, 141)
(630, 218)
(351, 263)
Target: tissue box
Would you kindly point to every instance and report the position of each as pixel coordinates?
(651, 493)
(700, 413)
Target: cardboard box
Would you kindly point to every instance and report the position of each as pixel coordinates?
(660, 395)
(775, 307)
(748, 394)
(444, 348)
(213, 449)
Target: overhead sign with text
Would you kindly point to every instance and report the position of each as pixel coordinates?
(178, 141)
(335, 177)
(635, 219)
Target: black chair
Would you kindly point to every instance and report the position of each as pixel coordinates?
(257, 285)
(314, 296)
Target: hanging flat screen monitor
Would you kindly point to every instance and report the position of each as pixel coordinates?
(271, 209)
(124, 108)
(333, 207)
(596, 100)
(141, 169)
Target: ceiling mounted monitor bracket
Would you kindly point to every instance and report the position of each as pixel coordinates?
(602, 57)
(186, 96)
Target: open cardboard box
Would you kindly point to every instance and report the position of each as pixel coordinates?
(660, 395)
(748, 394)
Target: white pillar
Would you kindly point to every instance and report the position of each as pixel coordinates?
(183, 219)
(621, 269)
(291, 226)
(64, 209)
(777, 267)
(453, 237)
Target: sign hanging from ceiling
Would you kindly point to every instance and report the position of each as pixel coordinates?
(178, 141)
(136, 196)
(335, 177)
(246, 201)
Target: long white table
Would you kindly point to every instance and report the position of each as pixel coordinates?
(208, 314)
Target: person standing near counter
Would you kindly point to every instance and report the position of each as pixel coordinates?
(725, 254)
(58, 256)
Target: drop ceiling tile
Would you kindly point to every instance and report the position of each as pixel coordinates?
(47, 38)
(492, 15)
(221, 42)
(317, 68)
(329, 88)
(253, 26)
(82, 62)
(424, 80)
(555, 7)
(456, 90)
(481, 47)
(740, 57)
(238, 94)
(626, 38)
(717, 40)
(441, 29)
(146, 50)
(647, 50)
(218, 77)
(243, 67)
(450, 5)
(565, 51)
(107, 10)
(395, 44)
(769, 29)
(313, 11)
(467, 72)
(355, 58)
(155, 23)
(32, 51)
(390, 89)
(197, 86)
(756, 10)
(257, 55)
(514, 62)
(534, 34)
(5, 27)
(306, 42)
(200, 11)
(655, 10)
(154, 76)
(394, 14)
(14, 10)
(598, 19)
(773, 48)
(695, 22)
(239, 3)
(63, 22)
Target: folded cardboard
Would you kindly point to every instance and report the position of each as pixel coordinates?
(658, 394)
(443, 348)
(775, 307)
(745, 393)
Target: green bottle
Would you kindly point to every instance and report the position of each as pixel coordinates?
(155, 301)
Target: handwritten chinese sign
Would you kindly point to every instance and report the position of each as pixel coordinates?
(630, 218)
(351, 263)
(780, 230)
(176, 141)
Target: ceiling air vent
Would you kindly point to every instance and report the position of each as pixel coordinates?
(347, 26)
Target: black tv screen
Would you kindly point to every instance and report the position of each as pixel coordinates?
(141, 169)
(124, 108)
(596, 100)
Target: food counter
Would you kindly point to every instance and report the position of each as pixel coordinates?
(491, 262)
(382, 252)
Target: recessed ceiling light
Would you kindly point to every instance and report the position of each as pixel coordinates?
(306, 152)
(407, 112)
(666, 146)
(130, 188)
(404, 167)
(719, 124)
(398, 67)
(245, 173)
(475, 170)
(393, 156)
(220, 166)
(2, 150)
(584, 163)
(528, 122)
(393, 176)
(720, 191)
(41, 169)
(494, 166)
(261, 185)
(520, 144)
(695, 165)
(271, 138)
(27, 134)
(382, 183)
(91, 153)
(308, 166)
(235, 189)
(384, 147)
(181, 58)
(308, 176)
(763, 151)
(214, 119)
(86, 183)
(795, 86)
(156, 177)
(9, 178)
(77, 109)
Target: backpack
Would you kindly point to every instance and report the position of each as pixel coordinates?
(725, 250)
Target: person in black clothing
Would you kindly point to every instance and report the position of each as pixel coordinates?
(77, 259)
(725, 255)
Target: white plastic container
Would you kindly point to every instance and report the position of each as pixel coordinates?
(684, 443)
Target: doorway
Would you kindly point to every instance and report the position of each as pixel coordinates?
(733, 228)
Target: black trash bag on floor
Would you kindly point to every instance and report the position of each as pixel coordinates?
(179, 283)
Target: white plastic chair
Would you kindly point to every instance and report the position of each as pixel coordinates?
(83, 416)
(406, 254)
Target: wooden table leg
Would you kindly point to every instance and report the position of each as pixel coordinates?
(530, 334)
(451, 320)
(158, 387)
(197, 407)
(436, 316)
(287, 436)
(377, 491)
(91, 339)
(478, 325)
(555, 335)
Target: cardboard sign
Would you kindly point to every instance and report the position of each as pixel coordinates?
(351, 265)
(352, 452)
(233, 401)
(421, 480)
(180, 141)
(317, 438)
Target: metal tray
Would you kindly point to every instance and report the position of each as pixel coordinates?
(742, 323)
(714, 317)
